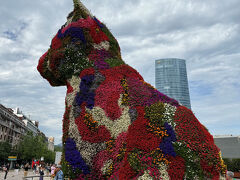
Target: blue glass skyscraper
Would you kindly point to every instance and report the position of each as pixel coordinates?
(171, 79)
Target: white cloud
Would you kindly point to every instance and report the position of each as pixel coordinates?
(205, 33)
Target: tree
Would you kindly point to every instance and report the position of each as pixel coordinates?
(57, 148)
(34, 147)
(5, 150)
(232, 164)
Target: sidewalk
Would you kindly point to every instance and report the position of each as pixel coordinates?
(12, 175)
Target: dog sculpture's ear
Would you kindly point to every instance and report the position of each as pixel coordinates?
(77, 46)
(59, 62)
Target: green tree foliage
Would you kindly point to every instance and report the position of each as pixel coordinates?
(232, 164)
(34, 147)
(5, 150)
(57, 148)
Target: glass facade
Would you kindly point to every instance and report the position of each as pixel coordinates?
(171, 79)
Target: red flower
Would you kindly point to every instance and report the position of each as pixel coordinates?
(54, 58)
(89, 71)
(139, 137)
(126, 172)
(69, 88)
(40, 67)
(98, 35)
(176, 168)
(190, 131)
(56, 43)
(66, 123)
(100, 135)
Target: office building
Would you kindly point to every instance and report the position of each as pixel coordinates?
(171, 79)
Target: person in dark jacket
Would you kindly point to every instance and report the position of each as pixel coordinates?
(26, 167)
(6, 169)
(41, 172)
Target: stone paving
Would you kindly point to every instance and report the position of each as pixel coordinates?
(12, 175)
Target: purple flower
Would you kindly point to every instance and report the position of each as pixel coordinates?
(86, 94)
(74, 158)
(74, 32)
(166, 145)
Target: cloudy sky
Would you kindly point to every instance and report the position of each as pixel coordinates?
(204, 32)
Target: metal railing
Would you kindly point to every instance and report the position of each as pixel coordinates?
(36, 177)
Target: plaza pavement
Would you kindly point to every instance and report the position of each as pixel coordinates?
(12, 175)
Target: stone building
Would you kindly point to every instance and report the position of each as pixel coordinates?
(32, 126)
(11, 127)
(51, 143)
(14, 124)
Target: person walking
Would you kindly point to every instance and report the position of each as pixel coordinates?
(59, 173)
(17, 167)
(53, 168)
(26, 167)
(6, 169)
(35, 168)
(41, 173)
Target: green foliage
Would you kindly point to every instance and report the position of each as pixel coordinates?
(49, 75)
(114, 47)
(58, 148)
(192, 162)
(155, 114)
(78, 12)
(232, 164)
(134, 161)
(5, 150)
(34, 147)
(114, 62)
(75, 61)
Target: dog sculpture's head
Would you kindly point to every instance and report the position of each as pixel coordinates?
(82, 42)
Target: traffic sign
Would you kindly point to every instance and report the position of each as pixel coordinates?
(12, 158)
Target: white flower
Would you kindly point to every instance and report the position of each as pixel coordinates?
(115, 127)
(145, 176)
(103, 45)
(106, 166)
(74, 82)
(169, 114)
(87, 150)
(163, 172)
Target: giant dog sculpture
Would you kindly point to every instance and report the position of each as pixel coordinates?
(116, 126)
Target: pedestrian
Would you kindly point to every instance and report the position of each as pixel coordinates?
(59, 173)
(48, 168)
(230, 175)
(34, 168)
(17, 169)
(26, 167)
(53, 168)
(6, 169)
(41, 173)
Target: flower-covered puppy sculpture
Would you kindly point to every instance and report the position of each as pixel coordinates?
(116, 126)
